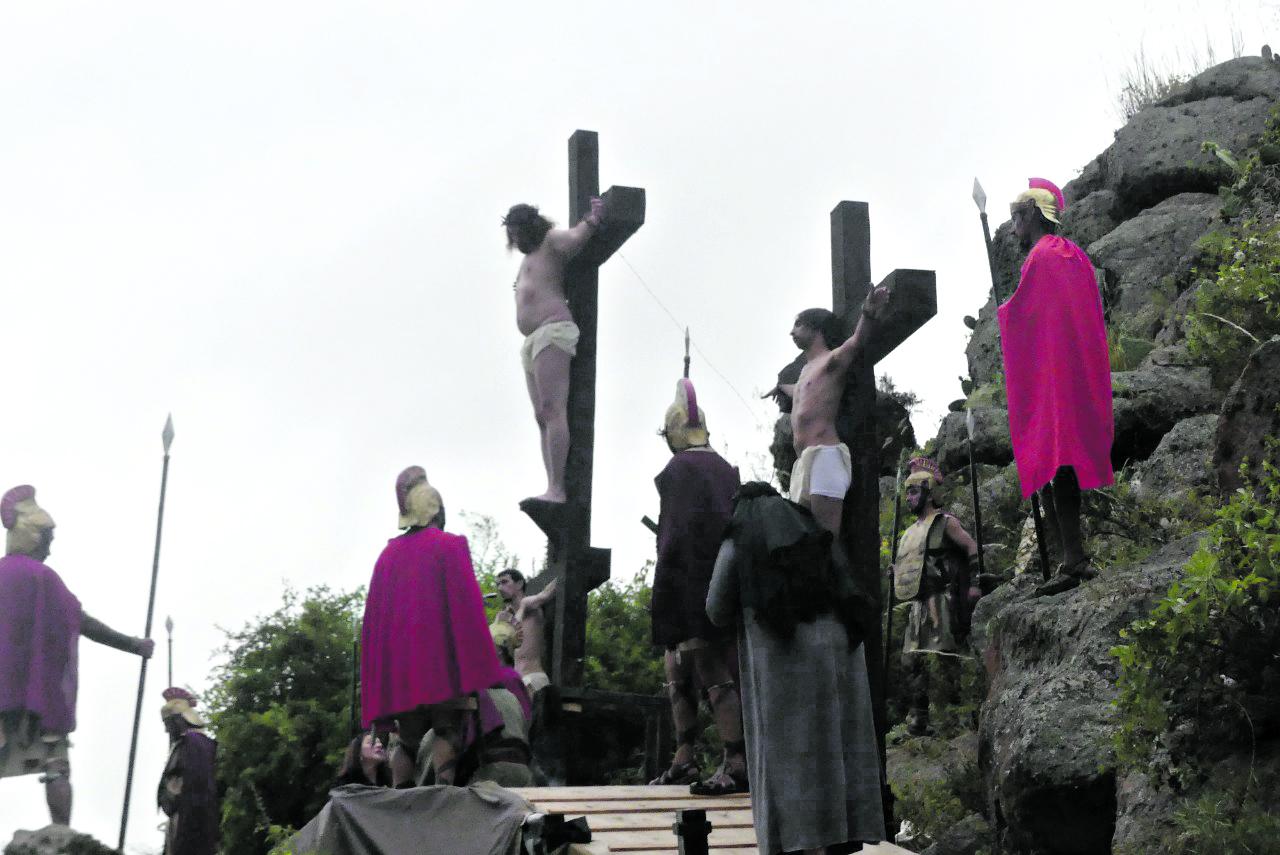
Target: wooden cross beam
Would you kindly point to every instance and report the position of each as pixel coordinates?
(579, 566)
(913, 300)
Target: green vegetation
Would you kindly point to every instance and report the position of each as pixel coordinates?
(1219, 824)
(281, 710)
(1195, 667)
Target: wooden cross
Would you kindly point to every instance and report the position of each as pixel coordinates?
(571, 558)
(913, 300)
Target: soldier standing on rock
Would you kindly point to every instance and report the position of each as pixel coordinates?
(936, 559)
(1057, 375)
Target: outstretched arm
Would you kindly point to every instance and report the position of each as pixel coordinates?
(844, 355)
(536, 601)
(95, 630)
(569, 242)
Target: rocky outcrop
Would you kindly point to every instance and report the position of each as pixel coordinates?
(56, 840)
(1142, 255)
(1180, 462)
(991, 442)
(1157, 154)
(1148, 401)
(1046, 723)
(1248, 415)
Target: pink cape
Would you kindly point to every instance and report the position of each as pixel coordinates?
(425, 639)
(1057, 370)
(39, 643)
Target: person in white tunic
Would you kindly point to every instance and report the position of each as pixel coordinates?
(806, 706)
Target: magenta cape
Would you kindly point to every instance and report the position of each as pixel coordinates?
(39, 642)
(425, 638)
(1056, 368)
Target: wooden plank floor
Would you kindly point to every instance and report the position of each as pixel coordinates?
(638, 820)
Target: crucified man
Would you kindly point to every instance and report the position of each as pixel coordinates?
(551, 336)
(824, 470)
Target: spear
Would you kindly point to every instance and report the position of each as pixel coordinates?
(973, 482)
(980, 199)
(893, 559)
(355, 670)
(686, 353)
(167, 436)
(168, 628)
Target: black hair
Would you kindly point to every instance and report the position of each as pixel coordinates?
(516, 576)
(352, 772)
(825, 322)
(525, 227)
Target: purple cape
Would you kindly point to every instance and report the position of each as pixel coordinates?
(39, 640)
(695, 492)
(425, 638)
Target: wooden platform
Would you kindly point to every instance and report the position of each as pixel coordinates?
(638, 820)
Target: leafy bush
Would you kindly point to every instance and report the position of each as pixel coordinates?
(1192, 670)
(620, 656)
(1219, 824)
(281, 709)
(1240, 305)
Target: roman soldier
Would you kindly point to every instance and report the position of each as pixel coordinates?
(934, 572)
(188, 792)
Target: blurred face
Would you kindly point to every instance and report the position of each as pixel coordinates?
(371, 749)
(507, 588)
(1024, 218)
(916, 496)
(802, 335)
(46, 543)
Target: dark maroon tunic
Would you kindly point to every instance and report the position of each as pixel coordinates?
(39, 640)
(696, 503)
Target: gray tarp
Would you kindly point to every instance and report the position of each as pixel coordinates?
(479, 820)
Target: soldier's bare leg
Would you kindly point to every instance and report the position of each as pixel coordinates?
(726, 705)
(684, 716)
(549, 393)
(57, 791)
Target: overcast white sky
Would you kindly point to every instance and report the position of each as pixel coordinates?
(280, 222)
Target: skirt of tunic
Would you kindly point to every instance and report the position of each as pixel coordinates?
(811, 742)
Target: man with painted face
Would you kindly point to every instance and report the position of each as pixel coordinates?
(188, 792)
(425, 647)
(40, 626)
(695, 494)
(1053, 338)
(934, 572)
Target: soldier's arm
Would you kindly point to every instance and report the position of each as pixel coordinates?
(569, 242)
(95, 630)
(844, 355)
(960, 538)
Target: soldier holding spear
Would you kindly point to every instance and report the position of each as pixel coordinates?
(1053, 340)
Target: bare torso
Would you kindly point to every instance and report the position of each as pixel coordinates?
(528, 655)
(816, 400)
(540, 297)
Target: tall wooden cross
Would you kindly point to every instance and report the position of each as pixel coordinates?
(913, 300)
(571, 558)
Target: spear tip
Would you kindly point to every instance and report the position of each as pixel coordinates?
(968, 422)
(979, 196)
(167, 433)
(168, 624)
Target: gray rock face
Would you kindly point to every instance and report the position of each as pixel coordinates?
(1046, 725)
(1181, 460)
(1142, 254)
(1090, 218)
(991, 442)
(1248, 415)
(1157, 154)
(56, 840)
(1150, 400)
(964, 838)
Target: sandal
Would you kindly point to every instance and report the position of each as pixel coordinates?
(722, 783)
(678, 775)
(1067, 577)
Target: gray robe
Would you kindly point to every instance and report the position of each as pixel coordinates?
(806, 715)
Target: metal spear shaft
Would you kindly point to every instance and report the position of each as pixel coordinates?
(355, 672)
(980, 199)
(973, 482)
(167, 436)
(686, 353)
(893, 560)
